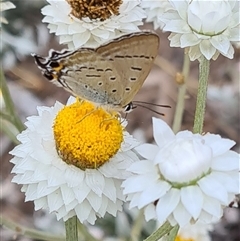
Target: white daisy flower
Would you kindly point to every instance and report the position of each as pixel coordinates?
(90, 23)
(186, 178)
(72, 160)
(3, 7)
(203, 27)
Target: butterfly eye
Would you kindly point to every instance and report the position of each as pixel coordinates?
(129, 107)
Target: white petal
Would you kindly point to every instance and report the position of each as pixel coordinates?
(64, 39)
(112, 208)
(175, 40)
(142, 167)
(138, 183)
(162, 132)
(192, 200)
(73, 177)
(95, 181)
(83, 210)
(226, 162)
(153, 193)
(181, 215)
(76, 28)
(213, 189)
(150, 212)
(31, 192)
(81, 192)
(134, 200)
(43, 189)
(207, 49)
(181, 7)
(219, 145)
(148, 151)
(177, 26)
(81, 39)
(221, 43)
(67, 194)
(212, 206)
(104, 205)
(194, 53)
(40, 203)
(6, 6)
(167, 204)
(110, 189)
(92, 217)
(70, 207)
(55, 201)
(234, 34)
(228, 180)
(189, 39)
(61, 29)
(206, 218)
(94, 200)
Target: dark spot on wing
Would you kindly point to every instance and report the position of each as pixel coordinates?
(93, 75)
(119, 56)
(136, 68)
(133, 79)
(112, 78)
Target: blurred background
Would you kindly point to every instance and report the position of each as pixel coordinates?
(25, 34)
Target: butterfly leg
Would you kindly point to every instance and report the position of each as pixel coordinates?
(89, 113)
(114, 116)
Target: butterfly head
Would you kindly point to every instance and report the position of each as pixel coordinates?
(129, 107)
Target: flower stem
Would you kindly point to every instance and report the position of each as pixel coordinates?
(204, 66)
(163, 230)
(9, 103)
(137, 226)
(181, 95)
(28, 232)
(71, 229)
(10, 131)
(173, 233)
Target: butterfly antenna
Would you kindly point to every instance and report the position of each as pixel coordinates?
(136, 102)
(154, 111)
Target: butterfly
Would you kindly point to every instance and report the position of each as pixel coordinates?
(109, 75)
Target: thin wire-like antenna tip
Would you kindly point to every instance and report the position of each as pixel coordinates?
(137, 102)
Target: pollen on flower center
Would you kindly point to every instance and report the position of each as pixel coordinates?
(94, 9)
(179, 238)
(86, 136)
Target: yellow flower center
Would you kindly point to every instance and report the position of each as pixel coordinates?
(94, 9)
(87, 136)
(179, 238)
